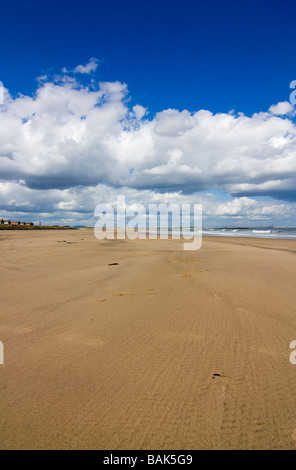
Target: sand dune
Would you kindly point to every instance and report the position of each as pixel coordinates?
(165, 350)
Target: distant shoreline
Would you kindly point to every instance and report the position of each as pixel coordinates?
(35, 227)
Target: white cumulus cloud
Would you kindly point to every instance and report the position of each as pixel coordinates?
(69, 139)
(282, 109)
(91, 66)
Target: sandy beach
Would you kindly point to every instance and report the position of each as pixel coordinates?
(165, 350)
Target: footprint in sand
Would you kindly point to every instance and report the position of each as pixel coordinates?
(185, 277)
(122, 294)
(182, 260)
(222, 381)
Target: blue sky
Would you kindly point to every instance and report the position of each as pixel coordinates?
(219, 56)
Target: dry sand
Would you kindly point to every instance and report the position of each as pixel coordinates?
(124, 357)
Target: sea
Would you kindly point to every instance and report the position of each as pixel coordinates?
(250, 232)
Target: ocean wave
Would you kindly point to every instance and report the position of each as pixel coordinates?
(261, 231)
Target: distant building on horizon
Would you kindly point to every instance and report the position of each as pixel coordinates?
(13, 222)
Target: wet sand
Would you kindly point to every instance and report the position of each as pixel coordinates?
(165, 350)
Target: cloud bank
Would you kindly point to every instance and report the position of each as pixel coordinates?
(70, 144)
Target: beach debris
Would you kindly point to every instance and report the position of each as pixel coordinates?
(113, 264)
